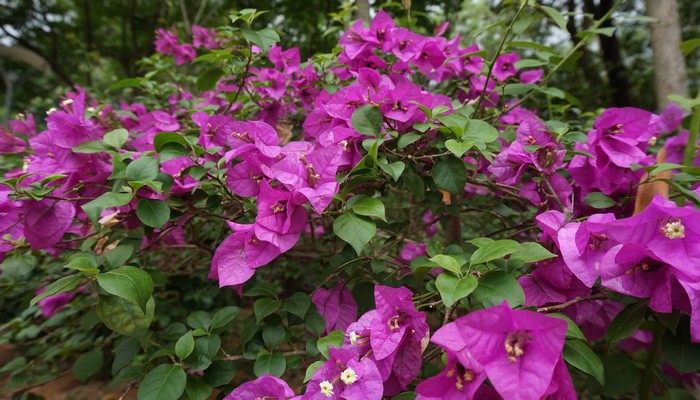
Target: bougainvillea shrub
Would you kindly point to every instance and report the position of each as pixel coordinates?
(410, 216)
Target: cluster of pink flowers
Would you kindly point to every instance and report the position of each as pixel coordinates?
(653, 255)
(167, 43)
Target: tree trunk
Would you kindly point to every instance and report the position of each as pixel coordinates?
(618, 83)
(363, 10)
(670, 74)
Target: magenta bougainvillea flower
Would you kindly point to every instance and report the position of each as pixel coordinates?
(252, 136)
(281, 216)
(669, 232)
(337, 306)
(397, 318)
(49, 306)
(394, 336)
(504, 67)
(46, 222)
(344, 376)
(632, 270)
(311, 174)
(237, 257)
(518, 349)
(454, 382)
(462, 376)
(265, 387)
(583, 245)
(203, 37)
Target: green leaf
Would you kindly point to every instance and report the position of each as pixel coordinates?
(163, 138)
(274, 335)
(222, 317)
(626, 322)
(129, 283)
(84, 265)
(447, 262)
(143, 168)
(579, 355)
(367, 120)
(452, 288)
(394, 169)
(572, 330)
(14, 365)
(405, 396)
(529, 63)
(689, 45)
(208, 79)
(314, 322)
(334, 339)
(171, 150)
(297, 304)
(124, 354)
(220, 373)
(670, 320)
(679, 350)
(369, 207)
(497, 286)
(311, 370)
(88, 364)
(555, 16)
(208, 346)
(479, 131)
(269, 363)
(118, 255)
(354, 230)
(459, 148)
(107, 200)
(65, 284)
(116, 138)
(184, 345)
(124, 83)
(123, 316)
(199, 320)
(264, 38)
(532, 252)
(621, 375)
(196, 389)
(406, 139)
(494, 250)
(450, 174)
(677, 394)
(264, 307)
(152, 212)
(164, 382)
(599, 200)
(97, 146)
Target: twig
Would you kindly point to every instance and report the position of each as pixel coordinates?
(598, 296)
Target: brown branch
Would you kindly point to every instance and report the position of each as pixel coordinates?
(598, 296)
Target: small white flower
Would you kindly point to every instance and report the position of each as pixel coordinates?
(90, 109)
(652, 141)
(348, 376)
(353, 338)
(674, 230)
(67, 102)
(50, 111)
(326, 388)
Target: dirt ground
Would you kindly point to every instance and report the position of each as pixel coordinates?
(66, 387)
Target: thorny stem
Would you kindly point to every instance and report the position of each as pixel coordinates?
(554, 196)
(242, 81)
